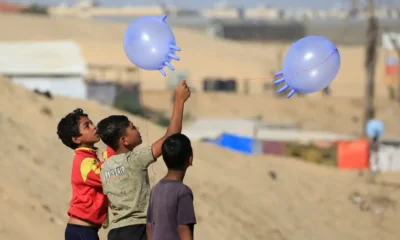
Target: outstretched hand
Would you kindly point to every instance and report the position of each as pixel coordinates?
(182, 92)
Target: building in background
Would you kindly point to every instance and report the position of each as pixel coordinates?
(104, 92)
(57, 67)
(254, 137)
(6, 7)
(391, 47)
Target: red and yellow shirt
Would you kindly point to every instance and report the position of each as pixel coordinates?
(108, 153)
(88, 201)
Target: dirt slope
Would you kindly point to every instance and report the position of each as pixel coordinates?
(234, 196)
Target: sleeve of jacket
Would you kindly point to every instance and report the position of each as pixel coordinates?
(90, 171)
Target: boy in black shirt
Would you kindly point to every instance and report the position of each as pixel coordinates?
(171, 213)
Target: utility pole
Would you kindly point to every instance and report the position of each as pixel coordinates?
(397, 49)
(370, 64)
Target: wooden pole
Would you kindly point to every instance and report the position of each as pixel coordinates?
(396, 47)
(370, 64)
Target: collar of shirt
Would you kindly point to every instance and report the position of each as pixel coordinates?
(90, 151)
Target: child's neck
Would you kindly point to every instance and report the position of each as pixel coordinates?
(177, 175)
(123, 150)
(91, 146)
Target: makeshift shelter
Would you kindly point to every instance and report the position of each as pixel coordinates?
(57, 67)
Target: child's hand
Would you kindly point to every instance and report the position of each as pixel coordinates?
(182, 92)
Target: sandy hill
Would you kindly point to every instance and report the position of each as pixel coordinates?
(201, 55)
(34, 184)
(235, 198)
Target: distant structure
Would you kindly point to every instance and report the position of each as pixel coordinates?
(89, 9)
(257, 30)
(262, 23)
(270, 13)
(57, 67)
(6, 7)
(223, 10)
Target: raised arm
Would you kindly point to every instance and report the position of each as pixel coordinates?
(182, 93)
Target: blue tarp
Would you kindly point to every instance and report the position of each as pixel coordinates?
(235, 143)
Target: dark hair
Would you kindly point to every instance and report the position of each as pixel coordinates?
(176, 151)
(111, 129)
(68, 127)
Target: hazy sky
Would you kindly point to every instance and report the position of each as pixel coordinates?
(320, 4)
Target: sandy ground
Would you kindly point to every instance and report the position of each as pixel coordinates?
(235, 198)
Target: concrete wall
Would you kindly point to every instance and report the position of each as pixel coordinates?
(341, 32)
(103, 92)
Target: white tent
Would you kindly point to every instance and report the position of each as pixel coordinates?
(388, 159)
(58, 67)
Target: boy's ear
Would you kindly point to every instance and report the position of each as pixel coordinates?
(77, 140)
(123, 141)
(191, 161)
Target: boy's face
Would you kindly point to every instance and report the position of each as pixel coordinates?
(132, 137)
(88, 132)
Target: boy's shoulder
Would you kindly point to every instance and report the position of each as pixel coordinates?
(173, 187)
(135, 153)
(111, 162)
(186, 190)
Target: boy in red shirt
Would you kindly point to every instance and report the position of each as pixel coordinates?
(88, 206)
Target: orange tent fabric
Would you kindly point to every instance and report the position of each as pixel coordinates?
(353, 154)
